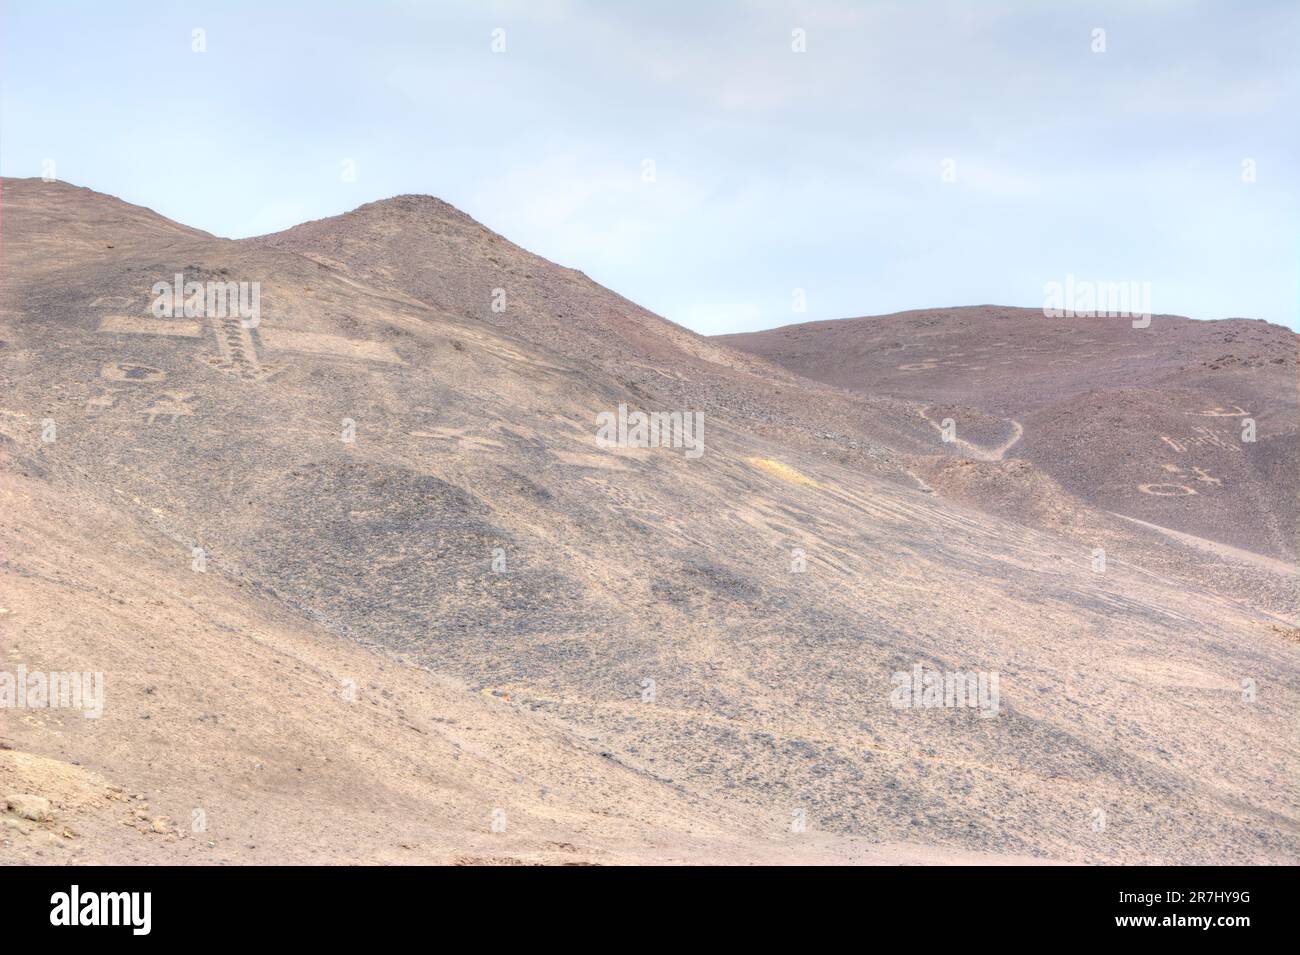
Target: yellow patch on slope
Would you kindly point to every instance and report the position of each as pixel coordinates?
(783, 471)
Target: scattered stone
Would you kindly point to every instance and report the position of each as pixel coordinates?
(27, 806)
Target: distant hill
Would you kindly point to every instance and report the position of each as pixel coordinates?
(1146, 422)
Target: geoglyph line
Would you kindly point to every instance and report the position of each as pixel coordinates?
(236, 351)
(172, 327)
(321, 344)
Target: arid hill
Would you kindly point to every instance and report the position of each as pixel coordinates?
(1145, 422)
(365, 587)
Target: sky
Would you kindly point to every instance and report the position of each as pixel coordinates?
(688, 156)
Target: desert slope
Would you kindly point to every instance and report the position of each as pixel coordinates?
(685, 655)
(421, 247)
(1145, 422)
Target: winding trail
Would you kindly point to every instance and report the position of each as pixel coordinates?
(975, 450)
(1262, 561)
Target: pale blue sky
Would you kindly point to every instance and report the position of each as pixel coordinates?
(775, 170)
